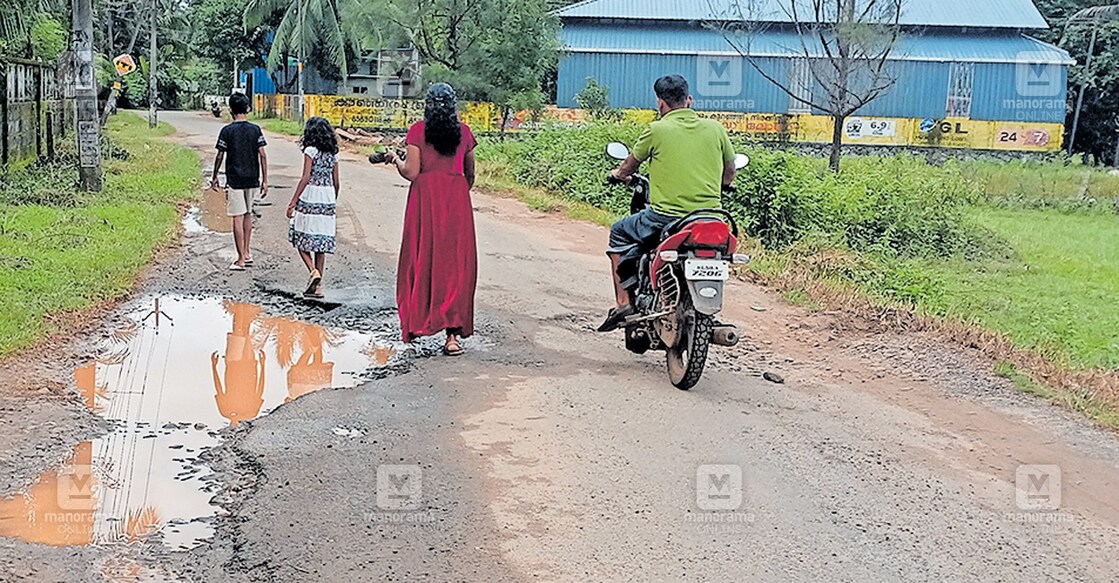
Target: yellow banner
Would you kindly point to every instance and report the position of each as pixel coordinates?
(400, 114)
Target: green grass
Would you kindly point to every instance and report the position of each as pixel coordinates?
(1063, 185)
(1081, 401)
(57, 258)
(279, 126)
(1057, 295)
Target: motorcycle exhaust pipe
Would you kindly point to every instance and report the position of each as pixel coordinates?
(724, 336)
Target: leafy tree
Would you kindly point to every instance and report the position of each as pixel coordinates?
(490, 50)
(19, 17)
(1097, 135)
(48, 37)
(219, 34)
(845, 45)
(594, 98)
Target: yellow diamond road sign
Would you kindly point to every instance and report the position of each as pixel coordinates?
(124, 64)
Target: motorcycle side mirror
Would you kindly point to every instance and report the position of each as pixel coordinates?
(617, 150)
(741, 161)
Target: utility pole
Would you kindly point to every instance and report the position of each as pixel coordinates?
(302, 54)
(1083, 88)
(153, 89)
(85, 96)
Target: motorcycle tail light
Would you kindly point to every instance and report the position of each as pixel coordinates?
(670, 256)
(706, 253)
(709, 233)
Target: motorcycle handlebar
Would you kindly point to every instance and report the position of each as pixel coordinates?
(611, 180)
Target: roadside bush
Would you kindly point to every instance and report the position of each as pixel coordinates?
(571, 161)
(897, 206)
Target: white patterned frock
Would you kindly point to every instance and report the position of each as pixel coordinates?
(312, 225)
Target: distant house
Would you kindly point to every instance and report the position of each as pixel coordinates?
(391, 74)
(971, 59)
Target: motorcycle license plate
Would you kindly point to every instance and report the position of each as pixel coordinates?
(706, 270)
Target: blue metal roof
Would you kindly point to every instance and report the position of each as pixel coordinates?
(683, 39)
(953, 13)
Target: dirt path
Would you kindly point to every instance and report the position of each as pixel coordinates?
(548, 453)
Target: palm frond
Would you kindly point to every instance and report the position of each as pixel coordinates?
(1098, 12)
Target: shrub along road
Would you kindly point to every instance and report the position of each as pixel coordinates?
(549, 453)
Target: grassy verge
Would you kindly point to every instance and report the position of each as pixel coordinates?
(1081, 401)
(65, 250)
(279, 126)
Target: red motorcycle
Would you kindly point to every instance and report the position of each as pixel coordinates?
(681, 283)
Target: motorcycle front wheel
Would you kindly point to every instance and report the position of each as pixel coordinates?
(688, 356)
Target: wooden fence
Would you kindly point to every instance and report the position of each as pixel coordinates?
(32, 114)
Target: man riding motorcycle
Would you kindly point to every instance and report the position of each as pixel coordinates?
(691, 160)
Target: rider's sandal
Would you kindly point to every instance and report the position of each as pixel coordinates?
(616, 318)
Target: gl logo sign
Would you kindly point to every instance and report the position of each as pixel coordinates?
(1038, 487)
(718, 487)
(399, 487)
(719, 76)
(1037, 76)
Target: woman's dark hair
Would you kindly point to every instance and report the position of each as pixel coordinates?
(318, 133)
(441, 125)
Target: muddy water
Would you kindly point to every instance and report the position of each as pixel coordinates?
(178, 371)
(210, 214)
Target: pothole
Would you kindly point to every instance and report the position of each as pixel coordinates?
(210, 215)
(176, 373)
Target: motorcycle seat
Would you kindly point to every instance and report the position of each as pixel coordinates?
(679, 224)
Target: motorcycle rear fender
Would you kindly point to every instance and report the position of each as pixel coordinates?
(707, 296)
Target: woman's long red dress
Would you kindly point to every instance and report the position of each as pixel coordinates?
(438, 269)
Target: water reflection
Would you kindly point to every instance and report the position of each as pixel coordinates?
(169, 388)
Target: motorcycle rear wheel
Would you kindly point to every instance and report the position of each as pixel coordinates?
(688, 356)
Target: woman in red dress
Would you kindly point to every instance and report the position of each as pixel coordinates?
(438, 269)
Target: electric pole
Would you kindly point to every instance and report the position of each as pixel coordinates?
(153, 89)
(302, 54)
(85, 96)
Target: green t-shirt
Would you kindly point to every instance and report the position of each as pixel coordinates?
(687, 155)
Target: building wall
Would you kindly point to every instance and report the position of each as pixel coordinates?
(921, 90)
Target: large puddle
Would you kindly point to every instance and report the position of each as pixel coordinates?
(179, 370)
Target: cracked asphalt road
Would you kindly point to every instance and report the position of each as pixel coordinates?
(549, 453)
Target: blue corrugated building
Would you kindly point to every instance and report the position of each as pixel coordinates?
(956, 58)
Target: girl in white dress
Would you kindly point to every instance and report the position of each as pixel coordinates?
(312, 208)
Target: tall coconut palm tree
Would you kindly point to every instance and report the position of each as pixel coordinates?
(307, 25)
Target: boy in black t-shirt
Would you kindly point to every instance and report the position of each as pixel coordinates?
(241, 145)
